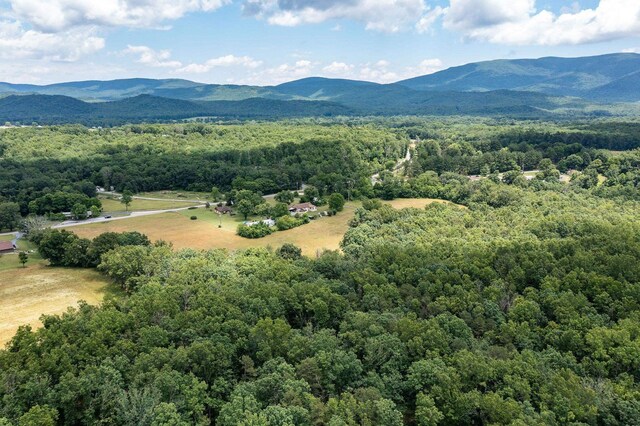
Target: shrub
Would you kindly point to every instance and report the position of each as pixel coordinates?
(289, 251)
(194, 217)
(288, 222)
(259, 230)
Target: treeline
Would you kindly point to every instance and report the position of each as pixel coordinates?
(64, 248)
(49, 110)
(525, 313)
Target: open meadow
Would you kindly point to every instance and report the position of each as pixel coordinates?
(27, 293)
(204, 233)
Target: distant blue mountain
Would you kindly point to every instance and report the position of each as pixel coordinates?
(604, 78)
(521, 87)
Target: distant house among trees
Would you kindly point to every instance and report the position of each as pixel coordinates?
(223, 210)
(6, 247)
(302, 208)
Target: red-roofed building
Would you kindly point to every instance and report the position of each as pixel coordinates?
(6, 247)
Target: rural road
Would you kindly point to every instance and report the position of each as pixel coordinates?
(70, 223)
(376, 177)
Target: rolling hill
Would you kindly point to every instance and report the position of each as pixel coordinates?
(55, 109)
(516, 88)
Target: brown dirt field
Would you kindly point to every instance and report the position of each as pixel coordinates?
(324, 233)
(28, 293)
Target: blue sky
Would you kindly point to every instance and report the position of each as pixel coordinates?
(271, 41)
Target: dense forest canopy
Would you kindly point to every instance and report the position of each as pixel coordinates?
(517, 302)
(261, 157)
(522, 314)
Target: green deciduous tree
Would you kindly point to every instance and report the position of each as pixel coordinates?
(336, 202)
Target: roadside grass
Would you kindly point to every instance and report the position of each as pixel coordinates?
(203, 233)
(27, 293)
(176, 195)
(114, 205)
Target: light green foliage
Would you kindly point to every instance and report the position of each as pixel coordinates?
(126, 198)
(39, 416)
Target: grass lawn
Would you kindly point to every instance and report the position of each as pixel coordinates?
(10, 261)
(113, 205)
(176, 195)
(27, 293)
(203, 233)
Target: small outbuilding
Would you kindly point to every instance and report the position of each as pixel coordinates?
(7, 247)
(223, 210)
(302, 208)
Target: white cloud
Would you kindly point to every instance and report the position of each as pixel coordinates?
(223, 61)
(60, 15)
(472, 14)
(427, 66)
(153, 58)
(16, 43)
(379, 72)
(428, 19)
(338, 68)
(380, 15)
(520, 24)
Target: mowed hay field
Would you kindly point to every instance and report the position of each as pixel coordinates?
(203, 233)
(28, 293)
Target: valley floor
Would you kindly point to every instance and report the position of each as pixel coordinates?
(203, 233)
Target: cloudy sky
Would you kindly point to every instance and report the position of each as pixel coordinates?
(271, 41)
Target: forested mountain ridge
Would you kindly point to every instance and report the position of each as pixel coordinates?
(605, 78)
(385, 100)
(611, 77)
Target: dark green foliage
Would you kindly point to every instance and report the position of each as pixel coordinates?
(285, 197)
(23, 257)
(64, 248)
(336, 202)
(289, 222)
(42, 167)
(519, 314)
(62, 201)
(289, 251)
(258, 230)
(46, 109)
(9, 216)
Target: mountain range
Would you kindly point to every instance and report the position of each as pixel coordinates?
(520, 87)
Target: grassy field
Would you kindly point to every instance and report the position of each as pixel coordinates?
(113, 205)
(176, 195)
(28, 293)
(203, 233)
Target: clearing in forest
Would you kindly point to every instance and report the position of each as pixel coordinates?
(27, 293)
(203, 233)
